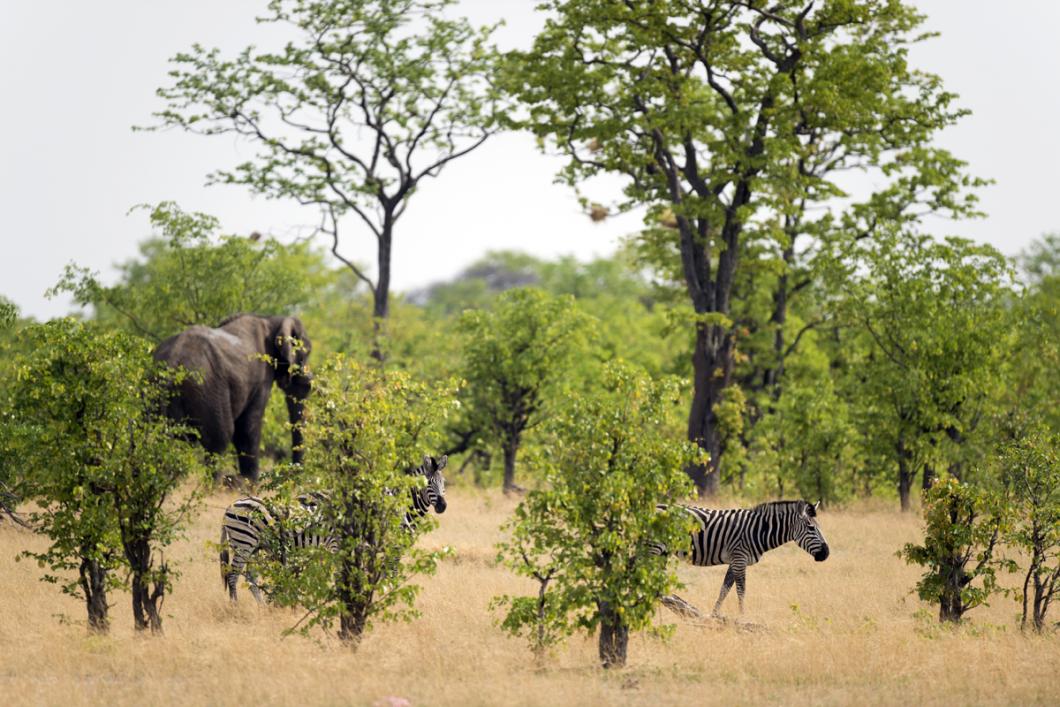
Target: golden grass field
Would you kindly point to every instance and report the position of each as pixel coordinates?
(845, 631)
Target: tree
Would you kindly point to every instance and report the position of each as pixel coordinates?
(964, 525)
(731, 121)
(1037, 354)
(517, 356)
(1031, 469)
(368, 101)
(189, 276)
(11, 473)
(586, 537)
(363, 429)
(937, 319)
(105, 465)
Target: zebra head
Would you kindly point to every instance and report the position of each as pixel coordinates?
(433, 494)
(808, 534)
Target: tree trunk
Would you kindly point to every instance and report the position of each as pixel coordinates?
(295, 410)
(381, 293)
(147, 599)
(712, 372)
(614, 637)
(928, 477)
(93, 578)
(351, 628)
(905, 475)
(780, 317)
(511, 450)
(950, 607)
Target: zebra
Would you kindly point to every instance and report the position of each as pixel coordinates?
(739, 537)
(248, 519)
(431, 494)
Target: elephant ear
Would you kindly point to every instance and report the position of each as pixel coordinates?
(292, 347)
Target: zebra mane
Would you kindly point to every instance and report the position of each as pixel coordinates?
(781, 506)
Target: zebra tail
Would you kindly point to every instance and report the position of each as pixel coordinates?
(225, 563)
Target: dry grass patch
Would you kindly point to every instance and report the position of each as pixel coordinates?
(845, 631)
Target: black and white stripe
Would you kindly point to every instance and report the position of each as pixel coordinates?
(247, 521)
(739, 537)
(245, 525)
(431, 494)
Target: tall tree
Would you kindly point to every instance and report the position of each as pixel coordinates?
(731, 122)
(937, 317)
(517, 361)
(370, 99)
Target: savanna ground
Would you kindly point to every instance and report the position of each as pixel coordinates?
(845, 631)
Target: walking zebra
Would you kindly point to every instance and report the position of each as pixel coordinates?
(248, 520)
(739, 537)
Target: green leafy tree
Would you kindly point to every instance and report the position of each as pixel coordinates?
(1036, 357)
(368, 101)
(517, 359)
(189, 276)
(8, 313)
(732, 121)
(12, 471)
(964, 524)
(936, 316)
(586, 536)
(1031, 469)
(363, 430)
(106, 466)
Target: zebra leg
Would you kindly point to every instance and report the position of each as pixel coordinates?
(730, 577)
(252, 582)
(741, 586)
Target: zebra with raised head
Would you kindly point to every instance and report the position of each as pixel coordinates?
(431, 494)
(739, 537)
(249, 520)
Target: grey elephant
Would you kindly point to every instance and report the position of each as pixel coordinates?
(225, 396)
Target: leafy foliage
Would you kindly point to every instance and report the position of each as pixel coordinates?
(103, 465)
(368, 100)
(189, 276)
(588, 532)
(1031, 469)
(936, 317)
(732, 122)
(363, 430)
(517, 358)
(964, 524)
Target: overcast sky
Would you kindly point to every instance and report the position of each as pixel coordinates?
(76, 76)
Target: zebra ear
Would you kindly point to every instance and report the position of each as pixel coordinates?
(442, 461)
(427, 461)
(815, 507)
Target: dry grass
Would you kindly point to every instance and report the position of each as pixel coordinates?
(842, 632)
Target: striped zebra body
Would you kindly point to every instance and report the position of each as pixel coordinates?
(739, 537)
(432, 494)
(248, 519)
(245, 523)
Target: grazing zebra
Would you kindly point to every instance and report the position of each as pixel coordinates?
(247, 519)
(739, 537)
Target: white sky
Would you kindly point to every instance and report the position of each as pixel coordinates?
(77, 75)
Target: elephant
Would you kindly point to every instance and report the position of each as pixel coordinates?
(224, 396)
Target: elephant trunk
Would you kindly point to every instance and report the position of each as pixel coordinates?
(295, 409)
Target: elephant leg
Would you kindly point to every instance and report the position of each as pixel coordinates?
(247, 440)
